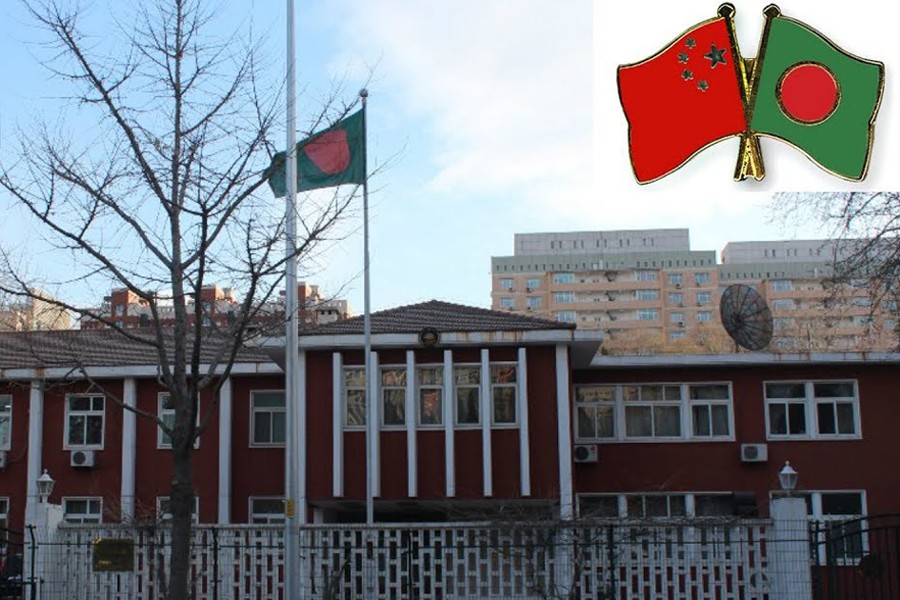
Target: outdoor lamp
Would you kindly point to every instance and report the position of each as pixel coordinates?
(44, 486)
(788, 478)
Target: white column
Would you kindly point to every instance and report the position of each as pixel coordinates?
(524, 447)
(788, 544)
(449, 447)
(300, 438)
(35, 449)
(129, 449)
(374, 418)
(564, 432)
(411, 475)
(486, 415)
(337, 425)
(225, 412)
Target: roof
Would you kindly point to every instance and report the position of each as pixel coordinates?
(94, 348)
(443, 316)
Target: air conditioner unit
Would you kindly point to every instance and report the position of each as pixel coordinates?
(754, 453)
(681, 323)
(528, 289)
(82, 458)
(585, 453)
(2, 460)
(527, 308)
(677, 286)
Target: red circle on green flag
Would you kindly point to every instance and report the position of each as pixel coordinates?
(808, 93)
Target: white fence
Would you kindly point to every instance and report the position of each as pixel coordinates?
(600, 560)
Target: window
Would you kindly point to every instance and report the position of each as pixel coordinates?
(676, 279)
(431, 395)
(647, 295)
(645, 275)
(839, 513)
(84, 422)
(821, 409)
(781, 285)
(566, 316)
(652, 410)
(710, 410)
(563, 278)
(783, 304)
(167, 415)
(676, 317)
(533, 302)
(393, 396)
(4, 513)
(655, 505)
(676, 335)
(467, 388)
(267, 418)
(506, 303)
(564, 297)
(704, 316)
(701, 278)
(164, 509)
(594, 408)
(82, 510)
(703, 298)
(503, 394)
(5, 422)
(533, 283)
(268, 511)
(675, 298)
(639, 506)
(506, 283)
(354, 397)
(644, 412)
(647, 314)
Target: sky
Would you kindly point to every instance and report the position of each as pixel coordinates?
(493, 117)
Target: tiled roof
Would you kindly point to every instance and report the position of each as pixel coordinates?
(442, 316)
(92, 348)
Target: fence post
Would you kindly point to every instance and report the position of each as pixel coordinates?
(788, 550)
(40, 566)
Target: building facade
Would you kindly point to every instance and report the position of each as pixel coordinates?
(650, 293)
(480, 414)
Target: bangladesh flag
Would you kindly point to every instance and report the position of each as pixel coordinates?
(329, 158)
(816, 97)
(682, 99)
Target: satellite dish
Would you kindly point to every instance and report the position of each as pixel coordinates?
(746, 317)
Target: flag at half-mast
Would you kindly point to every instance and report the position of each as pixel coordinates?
(329, 158)
(682, 99)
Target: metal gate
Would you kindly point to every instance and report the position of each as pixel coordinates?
(14, 582)
(856, 559)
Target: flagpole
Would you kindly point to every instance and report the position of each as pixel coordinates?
(372, 416)
(291, 549)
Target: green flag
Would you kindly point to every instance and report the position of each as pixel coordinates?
(816, 97)
(329, 158)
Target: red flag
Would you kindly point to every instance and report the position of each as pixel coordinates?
(682, 99)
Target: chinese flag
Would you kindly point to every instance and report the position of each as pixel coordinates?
(682, 99)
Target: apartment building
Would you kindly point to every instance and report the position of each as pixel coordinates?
(33, 314)
(648, 291)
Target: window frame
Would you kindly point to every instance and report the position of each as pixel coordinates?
(434, 387)
(685, 411)
(167, 516)
(382, 388)
(710, 403)
(271, 411)
(810, 405)
(67, 428)
(514, 386)
(345, 389)
(815, 515)
(161, 444)
(6, 416)
(66, 499)
(702, 278)
(261, 518)
(4, 512)
(476, 386)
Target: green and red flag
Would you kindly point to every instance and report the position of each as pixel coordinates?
(815, 96)
(329, 158)
(682, 99)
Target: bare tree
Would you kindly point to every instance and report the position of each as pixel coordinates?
(163, 194)
(863, 230)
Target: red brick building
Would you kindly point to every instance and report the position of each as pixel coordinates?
(478, 411)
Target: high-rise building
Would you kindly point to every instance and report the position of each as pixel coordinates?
(37, 312)
(650, 292)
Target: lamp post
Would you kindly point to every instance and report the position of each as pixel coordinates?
(44, 486)
(788, 478)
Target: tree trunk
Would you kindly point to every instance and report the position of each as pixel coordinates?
(181, 505)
